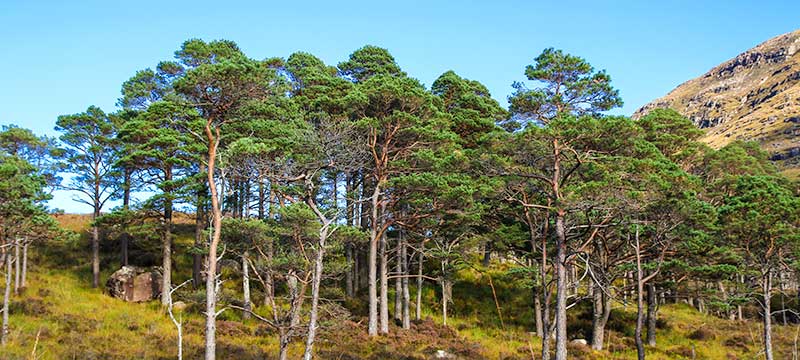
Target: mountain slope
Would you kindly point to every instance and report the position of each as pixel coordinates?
(754, 96)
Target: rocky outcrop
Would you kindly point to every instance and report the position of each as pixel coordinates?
(135, 284)
(754, 96)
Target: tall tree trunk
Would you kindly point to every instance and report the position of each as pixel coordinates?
(348, 246)
(445, 300)
(767, 309)
(269, 289)
(166, 245)
(199, 227)
(315, 284)
(639, 301)
(373, 263)
(211, 269)
(17, 266)
(95, 254)
(398, 285)
(248, 303)
(561, 258)
(6, 297)
(124, 241)
(537, 311)
(384, 290)
(652, 314)
(24, 281)
(404, 273)
(420, 264)
(561, 288)
(546, 293)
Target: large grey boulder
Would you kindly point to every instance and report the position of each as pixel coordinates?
(135, 284)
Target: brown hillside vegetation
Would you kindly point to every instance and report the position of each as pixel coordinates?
(60, 317)
(754, 96)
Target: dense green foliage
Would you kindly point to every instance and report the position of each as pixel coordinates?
(336, 188)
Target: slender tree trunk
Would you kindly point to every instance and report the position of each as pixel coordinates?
(211, 270)
(445, 300)
(248, 304)
(373, 263)
(561, 258)
(561, 288)
(96, 236)
(348, 246)
(739, 307)
(124, 241)
(6, 297)
(639, 301)
(537, 311)
(166, 245)
(384, 290)
(24, 281)
(406, 293)
(398, 285)
(95, 254)
(652, 314)
(17, 266)
(199, 227)
(421, 262)
(315, 284)
(767, 309)
(546, 293)
(269, 290)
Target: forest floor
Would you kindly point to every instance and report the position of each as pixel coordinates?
(59, 316)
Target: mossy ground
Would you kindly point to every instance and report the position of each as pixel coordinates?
(59, 316)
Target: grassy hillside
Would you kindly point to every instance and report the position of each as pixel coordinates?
(60, 317)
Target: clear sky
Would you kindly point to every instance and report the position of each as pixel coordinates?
(59, 57)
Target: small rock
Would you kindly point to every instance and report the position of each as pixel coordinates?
(579, 342)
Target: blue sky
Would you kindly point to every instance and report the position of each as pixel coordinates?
(59, 57)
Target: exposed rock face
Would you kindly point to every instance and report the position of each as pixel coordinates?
(754, 96)
(131, 283)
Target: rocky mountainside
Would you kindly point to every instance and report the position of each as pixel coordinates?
(754, 96)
